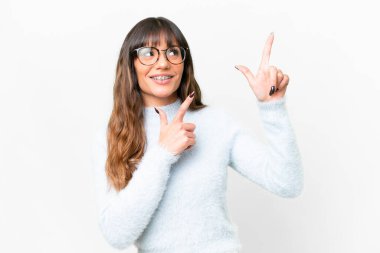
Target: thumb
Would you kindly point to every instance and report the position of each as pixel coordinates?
(163, 117)
(246, 72)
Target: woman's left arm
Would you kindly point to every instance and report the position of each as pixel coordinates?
(277, 165)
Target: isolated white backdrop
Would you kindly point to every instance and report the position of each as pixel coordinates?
(57, 65)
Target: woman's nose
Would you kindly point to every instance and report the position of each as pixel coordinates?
(162, 61)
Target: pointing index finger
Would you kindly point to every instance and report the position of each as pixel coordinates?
(266, 52)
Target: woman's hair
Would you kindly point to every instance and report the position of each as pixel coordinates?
(126, 134)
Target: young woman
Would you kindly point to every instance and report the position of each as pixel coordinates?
(161, 162)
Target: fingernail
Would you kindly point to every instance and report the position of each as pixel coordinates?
(156, 110)
(236, 68)
(271, 90)
(192, 94)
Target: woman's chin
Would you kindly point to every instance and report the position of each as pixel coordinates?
(164, 91)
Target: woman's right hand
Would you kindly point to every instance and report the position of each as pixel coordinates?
(177, 136)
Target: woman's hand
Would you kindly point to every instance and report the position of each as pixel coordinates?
(177, 136)
(266, 77)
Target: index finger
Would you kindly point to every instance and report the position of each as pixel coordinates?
(266, 52)
(183, 108)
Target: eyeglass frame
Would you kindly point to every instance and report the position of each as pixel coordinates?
(158, 57)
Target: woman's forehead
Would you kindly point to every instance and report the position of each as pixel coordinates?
(163, 38)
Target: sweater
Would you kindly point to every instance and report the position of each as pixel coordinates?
(177, 203)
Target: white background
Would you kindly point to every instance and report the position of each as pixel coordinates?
(57, 65)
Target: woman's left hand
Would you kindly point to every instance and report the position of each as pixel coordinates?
(266, 77)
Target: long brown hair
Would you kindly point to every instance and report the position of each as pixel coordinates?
(126, 134)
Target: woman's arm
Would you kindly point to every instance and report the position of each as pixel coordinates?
(275, 166)
(123, 216)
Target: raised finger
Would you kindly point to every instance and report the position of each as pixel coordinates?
(163, 117)
(183, 108)
(266, 52)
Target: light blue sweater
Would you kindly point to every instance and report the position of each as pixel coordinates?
(177, 203)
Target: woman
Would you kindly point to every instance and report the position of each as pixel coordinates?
(159, 185)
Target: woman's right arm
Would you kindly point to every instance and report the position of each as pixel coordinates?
(123, 216)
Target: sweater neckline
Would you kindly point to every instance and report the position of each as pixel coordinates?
(170, 110)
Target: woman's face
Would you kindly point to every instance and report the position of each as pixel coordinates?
(154, 92)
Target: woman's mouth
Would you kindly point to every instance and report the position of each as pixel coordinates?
(161, 79)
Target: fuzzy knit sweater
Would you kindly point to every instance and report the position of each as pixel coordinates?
(177, 203)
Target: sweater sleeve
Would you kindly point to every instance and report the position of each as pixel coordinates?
(275, 166)
(123, 216)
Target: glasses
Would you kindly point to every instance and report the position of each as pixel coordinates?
(150, 55)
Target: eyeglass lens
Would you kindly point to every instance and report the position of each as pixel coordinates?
(149, 55)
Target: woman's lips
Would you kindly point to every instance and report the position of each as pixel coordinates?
(166, 81)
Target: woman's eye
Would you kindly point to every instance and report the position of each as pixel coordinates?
(147, 52)
(173, 51)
